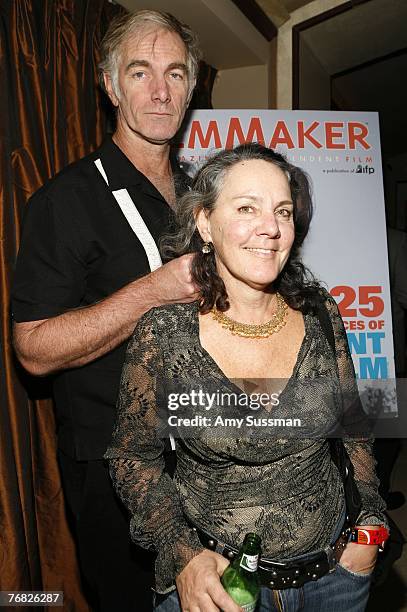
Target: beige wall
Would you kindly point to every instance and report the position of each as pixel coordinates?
(284, 47)
(270, 85)
(241, 88)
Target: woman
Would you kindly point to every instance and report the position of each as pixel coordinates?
(246, 215)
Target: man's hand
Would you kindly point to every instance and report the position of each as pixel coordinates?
(172, 283)
(199, 586)
(80, 336)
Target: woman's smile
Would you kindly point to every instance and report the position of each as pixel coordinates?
(260, 252)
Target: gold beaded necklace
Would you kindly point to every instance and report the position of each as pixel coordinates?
(251, 330)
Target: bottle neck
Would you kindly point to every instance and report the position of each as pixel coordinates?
(249, 553)
(251, 544)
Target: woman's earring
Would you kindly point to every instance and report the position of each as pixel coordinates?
(206, 248)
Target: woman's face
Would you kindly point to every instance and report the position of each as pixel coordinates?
(251, 227)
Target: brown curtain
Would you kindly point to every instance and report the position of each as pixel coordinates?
(51, 113)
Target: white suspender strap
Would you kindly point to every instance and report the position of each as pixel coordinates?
(136, 222)
(99, 166)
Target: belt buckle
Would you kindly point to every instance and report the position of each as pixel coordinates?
(330, 555)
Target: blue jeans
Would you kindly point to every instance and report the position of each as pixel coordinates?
(339, 591)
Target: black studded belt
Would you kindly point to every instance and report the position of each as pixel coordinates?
(285, 575)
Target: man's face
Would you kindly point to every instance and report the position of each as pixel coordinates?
(153, 85)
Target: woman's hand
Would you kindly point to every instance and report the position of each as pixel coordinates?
(359, 558)
(199, 586)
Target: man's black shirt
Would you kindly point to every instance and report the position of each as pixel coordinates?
(76, 249)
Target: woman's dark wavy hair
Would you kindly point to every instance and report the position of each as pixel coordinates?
(295, 283)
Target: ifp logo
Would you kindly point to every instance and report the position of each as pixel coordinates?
(364, 169)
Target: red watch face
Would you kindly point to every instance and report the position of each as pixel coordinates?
(363, 536)
(370, 536)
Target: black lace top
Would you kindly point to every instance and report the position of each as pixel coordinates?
(286, 489)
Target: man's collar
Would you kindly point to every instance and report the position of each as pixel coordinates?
(120, 171)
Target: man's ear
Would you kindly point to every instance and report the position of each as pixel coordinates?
(203, 225)
(109, 88)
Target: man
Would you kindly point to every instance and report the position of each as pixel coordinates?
(89, 267)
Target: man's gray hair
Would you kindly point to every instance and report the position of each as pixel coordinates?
(131, 23)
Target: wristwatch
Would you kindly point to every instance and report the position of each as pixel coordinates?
(369, 535)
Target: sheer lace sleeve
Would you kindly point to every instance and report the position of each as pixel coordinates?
(136, 461)
(360, 449)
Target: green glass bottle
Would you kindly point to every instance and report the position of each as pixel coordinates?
(240, 579)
